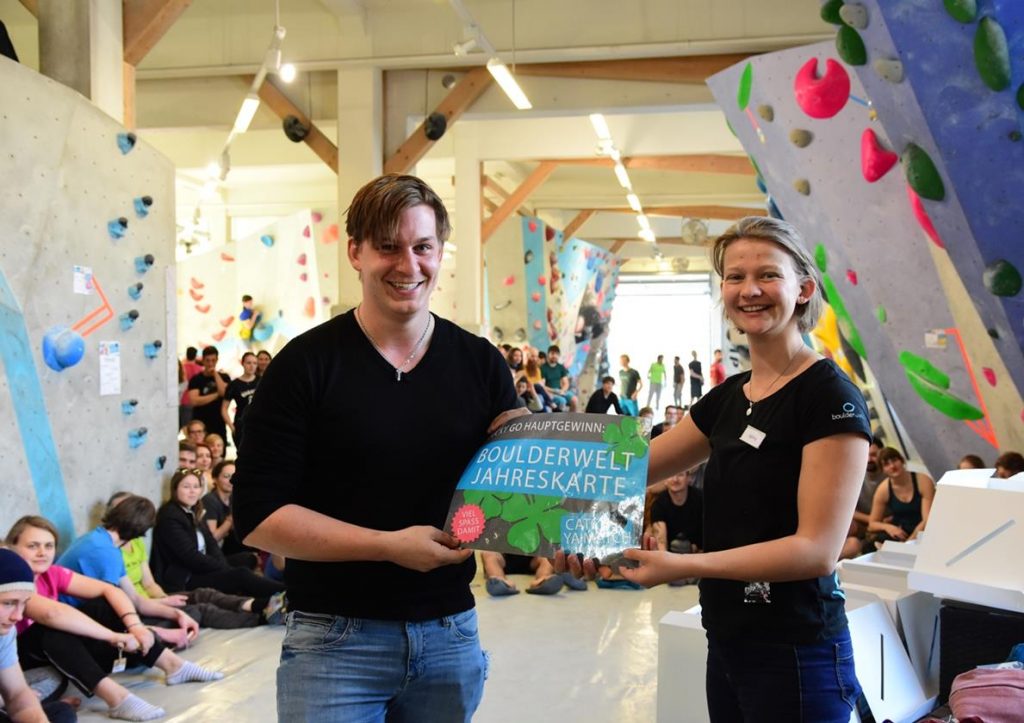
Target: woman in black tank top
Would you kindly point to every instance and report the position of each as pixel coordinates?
(906, 498)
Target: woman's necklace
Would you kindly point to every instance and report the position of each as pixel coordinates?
(398, 369)
(750, 384)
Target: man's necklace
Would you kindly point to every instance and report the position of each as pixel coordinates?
(750, 398)
(398, 369)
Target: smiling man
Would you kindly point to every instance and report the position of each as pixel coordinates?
(352, 450)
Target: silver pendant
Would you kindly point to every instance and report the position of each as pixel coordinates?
(750, 409)
(398, 376)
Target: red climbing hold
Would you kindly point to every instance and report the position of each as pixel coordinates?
(509, 280)
(532, 226)
(875, 160)
(226, 257)
(301, 260)
(196, 296)
(851, 276)
(219, 335)
(825, 96)
(922, 218)
(542, 280)
(196, 283)
(226, 321)
(303, 276)
(549, 233)
(202, 308)
(317, 217)
(990, 376)
(305, 232)
(535, 296)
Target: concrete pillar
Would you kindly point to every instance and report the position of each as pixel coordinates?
(469, 277)
(360, 157)
(81, 46)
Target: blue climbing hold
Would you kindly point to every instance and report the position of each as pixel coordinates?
(125, 141)
(117, 228)
(62, 348)
(267, 240)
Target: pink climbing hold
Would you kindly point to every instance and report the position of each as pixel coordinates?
(990, 376)
(202, 308)
(226, 321)
(325, 300)
(509, 280)
(196, 296)
(825, 96)
(875, 160)
(226, 257)
(317, 217)
(301, 260)
(851, 276)
(305, 232)
(219, 335)
(532, 226)
(196, 283)
(535, 296)
(538, 326)
(542, 280)
(922, 218)
(303, 276)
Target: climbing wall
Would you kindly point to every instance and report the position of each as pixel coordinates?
(88, 390)
(825, 158)
(278, 266)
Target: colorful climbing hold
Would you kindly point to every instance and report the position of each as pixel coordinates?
(330, 234)
(888, 69)
(226, 321)
(743, 90)
(310, 307)
(305, 232)
(825, 96)
(766, 112)
(527, 257)
(963, 11)
(855, 15)
(125, 142)
(843, 317)
(196, 295)
(800, 138)
(851, 276)
(535, 296)
(773, 209)
(152, 348)
(202, 308)
(850, 46)
(993, 332)
(135, 291)
(761, 185)
(542, 280)
(224, 256)
(219, 335)
(538, 325)
(142, 204)
(821, 257)
(1020, 96)
(1002, 278)
(196, 283)
(303, 276)
(144, 263)
(830, 12)
(301, 260)
(267, 240)
(881, 314)
(922, 218)
(532, 225)
(931, 384)
(317, 217)
(992, 54)
(62, 348)
(990, 375)
(802, 186)
(549, 233)
(117, 228)
(509, 280)
(921, 173)
(875, 160)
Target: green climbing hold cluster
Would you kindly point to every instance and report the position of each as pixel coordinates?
(821, 257)
(963, 11)
(743, 91)
(932, 385)
(882, 315)
(843, 318)
(921, 173)
(1002, 278)
(850, 46)
(992, 54)
(830, 12)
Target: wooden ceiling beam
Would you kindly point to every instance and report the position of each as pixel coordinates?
(581, 218)
(489, 184)
(517, 198)
(278, 102)
(693, 163)
(458, 100)
(679, 69)
(617, 245)
(725, 213)
(144, 22)
(32, 6)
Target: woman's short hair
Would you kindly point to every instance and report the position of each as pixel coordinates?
(973, 460)
(765, 228)
(889, 454)
(27, 521)
(130, 518)
(377, 208)
(219, 467)
(214, 437)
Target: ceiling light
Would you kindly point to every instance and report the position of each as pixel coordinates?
(246, 112)
(644, 223)
(647, 235)
(620, 173)
(462, 49)
(615, 155)
(600, 126)
(634, 202)
(213, 169)
(287, 72)
(503, 76)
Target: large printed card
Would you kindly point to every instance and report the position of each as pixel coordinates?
(549, 481)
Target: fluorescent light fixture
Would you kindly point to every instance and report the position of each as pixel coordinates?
(208, 191)
(647, 235)
(620, 173)
(213, 169)
(287, 72)
(644, 223)
(600, 126)
(503, 76)
(246, 112)
(634, 202)
(605, 146)
(615, 155)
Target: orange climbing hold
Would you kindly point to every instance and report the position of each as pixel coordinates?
(196, 296)
(310, 307)
(196, 283)
(202, 308)
(218, 335)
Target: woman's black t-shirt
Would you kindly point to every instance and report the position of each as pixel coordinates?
(750, 496)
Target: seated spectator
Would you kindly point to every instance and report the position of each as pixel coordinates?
(604, 398)
(907, 496)
(531, 370)
(677, 517)
(204, 462)
(971, 461)
(185, 556)
(186, 454)
(673, 415)
(1008, 464)
(514, 357)
(85, 643)
(646, 415)
(20, 703)
(195, 431)
(557, 382)
(215, 443)
(217, 515)
(545, 580)
(857, 541)
(208, 607)
(530, 399)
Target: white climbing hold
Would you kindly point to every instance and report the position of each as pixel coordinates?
(854, 15)
(888, 69)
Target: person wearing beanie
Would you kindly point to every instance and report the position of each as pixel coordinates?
(20, 703)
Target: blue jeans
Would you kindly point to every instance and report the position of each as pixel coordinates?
(356, 670)
(768, 682)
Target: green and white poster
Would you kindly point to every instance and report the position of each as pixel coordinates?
(545, 482)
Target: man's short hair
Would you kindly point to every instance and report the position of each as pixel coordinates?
(245, 298)
(605, 380)
(554, 348)
(130, 518)
(377, 208)
(191, 353)
(210, 351)
(877, 442)
(186, 446)
(1013, 462)
(625, 356)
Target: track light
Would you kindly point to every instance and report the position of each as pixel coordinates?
(287, 72)
(246, 112)
(600, 126)
(462, 49)
(634, 202)
(508, 83)
(620, 173)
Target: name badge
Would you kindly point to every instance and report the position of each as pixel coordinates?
(752, 436)
(120, 663)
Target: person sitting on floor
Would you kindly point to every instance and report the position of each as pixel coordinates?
(186, 454)
(210, 608)
(906, 495)
(20, 704)
(204, 462)
(545, 580)
(217, 515)
(971, 461)
(85, 643)
(528, 395)
(604, 399)
(677, 517)
(185, 555)
(1008, 464)
(216, 444)
(857, 540)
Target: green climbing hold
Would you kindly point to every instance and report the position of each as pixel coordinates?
(1002, 278)
(931, 384)
(963, 11)
(924, 369)
(850, 46)
(882, 315)
(1020, 96)
(821, 257)
(830, 12)
(846, 325)
(743, 92)
(992, 54)
(993, 332)
(921, 173)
